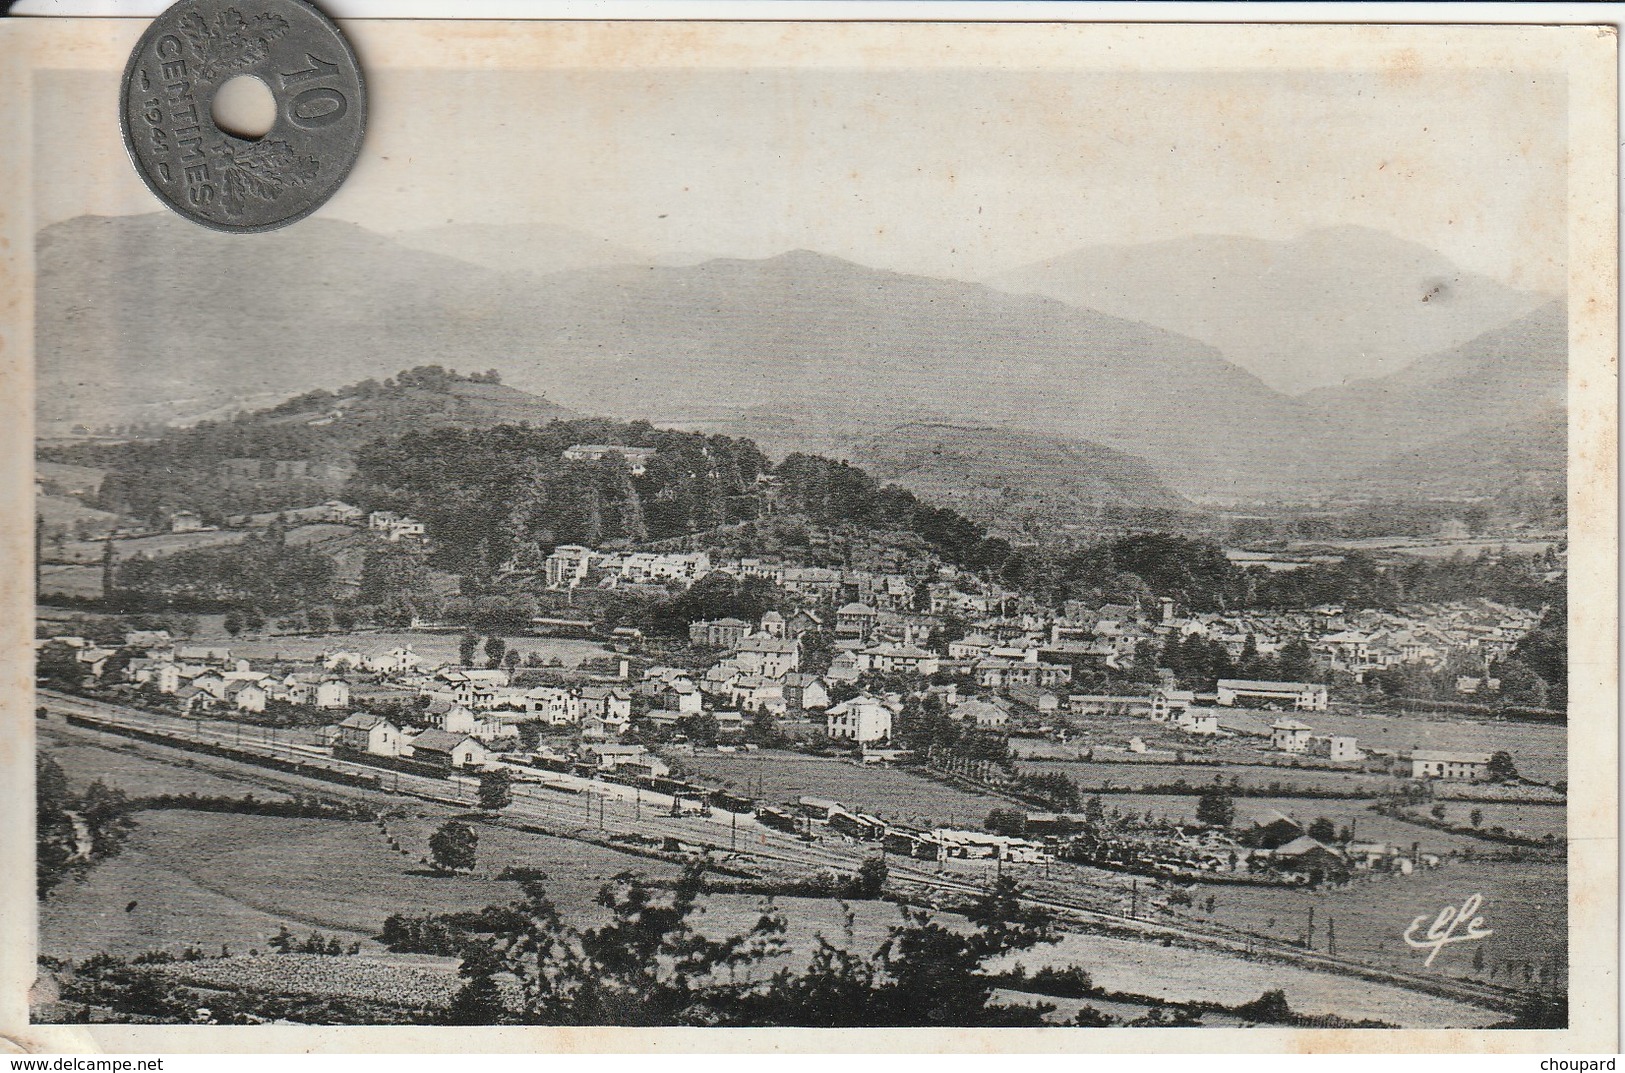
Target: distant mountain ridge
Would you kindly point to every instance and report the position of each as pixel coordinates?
(1508, 375)
(851, 347)
(151, 319)
(844, 350)
(536, 249)
(1330, 306)
(148, 319)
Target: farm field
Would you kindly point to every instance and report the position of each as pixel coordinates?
(411, 982)
(1539, 750)
(1525, 906)
(1367, 825)
(1176, 972)
(1535, 821)
(57, 580)
(70, 478)
(90, 551)
(890, 793)
(206, 878)
(60, 514)
(1130, 776)
(123, 768)
(1438, 549)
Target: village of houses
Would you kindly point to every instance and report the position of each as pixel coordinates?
(624, 716)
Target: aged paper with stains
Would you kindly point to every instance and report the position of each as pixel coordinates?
(1076, 282)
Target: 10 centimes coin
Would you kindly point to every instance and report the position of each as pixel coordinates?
(216, 178)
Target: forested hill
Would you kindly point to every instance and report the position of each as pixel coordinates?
(486, 494)
(427, 396)
(296, 453)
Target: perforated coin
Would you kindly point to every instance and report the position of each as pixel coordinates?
(214, 177)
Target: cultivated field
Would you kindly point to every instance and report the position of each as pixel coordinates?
(891, 793)
(68, 477)
(1367, 825)
(1525, 906)
(193, 878)
(414, 983)
(1539, 750)
(59, 514)
(90, 551)
(1133, 776)
(1176, 972)
(55, 580)
(1429, 549)
(209, 879)
(1533, 821)
(122, 768)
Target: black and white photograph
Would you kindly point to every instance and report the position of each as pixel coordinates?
(843, 527)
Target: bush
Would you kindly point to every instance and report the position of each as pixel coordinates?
(1269, 1008)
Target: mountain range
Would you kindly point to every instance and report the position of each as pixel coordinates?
(1323, 309)
(151, 319)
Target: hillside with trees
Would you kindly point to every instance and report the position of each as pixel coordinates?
(294, 454)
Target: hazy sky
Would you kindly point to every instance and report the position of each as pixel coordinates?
(950, 173)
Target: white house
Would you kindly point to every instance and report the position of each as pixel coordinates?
(395, 661)
(246, 695)
(862, 719)
(185, 521)
(1167, 704)
(805, 692)
(367, 733)
(971, 646)
(567, 566)
(332, 693)
(1200, 721)
(1437, 764)
(1337, 747)
(901, 659)
(553, 705)
(770, 657)
(1289, 736)
(610, 703)
(681, 696)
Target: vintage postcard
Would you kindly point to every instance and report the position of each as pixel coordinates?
(1060, 536)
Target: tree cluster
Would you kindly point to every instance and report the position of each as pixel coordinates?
(74, 831)
(649, 965)
(260, 572)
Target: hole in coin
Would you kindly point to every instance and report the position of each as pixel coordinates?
(244, 108)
